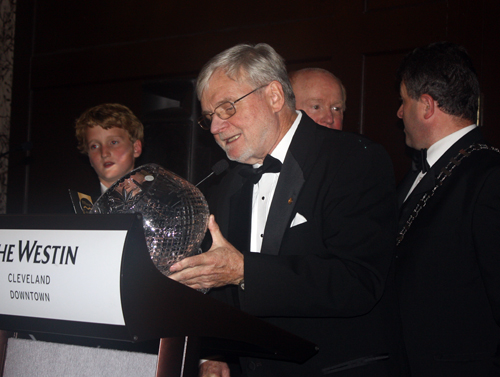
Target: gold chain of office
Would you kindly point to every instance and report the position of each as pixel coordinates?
(445, 173)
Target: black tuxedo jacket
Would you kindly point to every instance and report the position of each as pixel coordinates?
(448, 268)
(322, 279)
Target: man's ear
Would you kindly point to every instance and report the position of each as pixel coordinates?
(429, 105)
(276, 96)
(137, 148)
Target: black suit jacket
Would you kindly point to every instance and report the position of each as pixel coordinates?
(322, 279)
(448, 268)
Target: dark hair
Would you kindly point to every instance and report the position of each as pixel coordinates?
(108, 115)
(444, 71)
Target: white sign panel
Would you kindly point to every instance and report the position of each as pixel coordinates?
(62, 274)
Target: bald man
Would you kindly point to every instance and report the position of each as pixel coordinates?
(321, 95)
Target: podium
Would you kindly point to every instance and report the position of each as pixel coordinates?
(92, 276)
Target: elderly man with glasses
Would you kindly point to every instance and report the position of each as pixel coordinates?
(303, 227)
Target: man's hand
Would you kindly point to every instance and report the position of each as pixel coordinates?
(214, 369)
(219, 266)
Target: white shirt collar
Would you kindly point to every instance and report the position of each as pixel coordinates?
(282, 148)
(103, 188)
(437, 149)
(263, 191)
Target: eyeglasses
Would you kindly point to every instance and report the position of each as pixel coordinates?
(224, 111)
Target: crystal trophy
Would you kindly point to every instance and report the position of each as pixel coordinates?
(175, 213)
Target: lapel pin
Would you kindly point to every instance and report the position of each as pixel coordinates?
(290, 201)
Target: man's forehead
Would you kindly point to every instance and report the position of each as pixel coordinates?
(320, 89)
(226, 78)
(221, 87)
(316, 99)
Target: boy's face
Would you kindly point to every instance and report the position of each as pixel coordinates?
(111, 153)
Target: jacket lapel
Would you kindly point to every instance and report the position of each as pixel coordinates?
(282, 208)
(298, 162)
(406, 208)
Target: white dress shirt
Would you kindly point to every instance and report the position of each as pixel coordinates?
(263, 191)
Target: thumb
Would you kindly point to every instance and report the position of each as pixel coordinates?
(215, 232)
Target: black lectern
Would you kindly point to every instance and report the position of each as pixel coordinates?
(92, 276)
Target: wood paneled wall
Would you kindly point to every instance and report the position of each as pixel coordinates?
(73, 55)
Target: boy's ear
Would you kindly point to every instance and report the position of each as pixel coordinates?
(137, 148)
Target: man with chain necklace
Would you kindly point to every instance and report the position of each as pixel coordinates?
(448, 253)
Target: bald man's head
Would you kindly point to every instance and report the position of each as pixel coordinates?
(321, 95)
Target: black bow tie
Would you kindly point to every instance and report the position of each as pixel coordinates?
(271, 165)
(419, 161)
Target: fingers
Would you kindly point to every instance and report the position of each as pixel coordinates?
(195, 272)
(198, 259)
(186, 263)
(221, 265)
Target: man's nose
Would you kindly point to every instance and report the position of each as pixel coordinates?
(328, 117)
(218, 125)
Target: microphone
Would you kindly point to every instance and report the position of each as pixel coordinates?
(26, 146)
(217, 169)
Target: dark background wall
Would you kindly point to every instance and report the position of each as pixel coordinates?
(71, 55)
